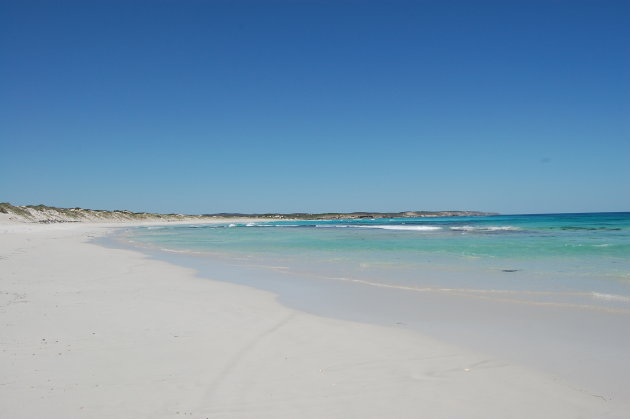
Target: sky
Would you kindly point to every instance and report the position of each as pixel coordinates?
(311, 106)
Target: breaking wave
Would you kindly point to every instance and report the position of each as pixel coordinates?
(405, 227)
(383, 227)
(485, 228)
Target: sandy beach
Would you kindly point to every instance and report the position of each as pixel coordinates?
(88, 331)
(314, 209)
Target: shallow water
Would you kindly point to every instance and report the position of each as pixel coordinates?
(548, 291)
(565, 259)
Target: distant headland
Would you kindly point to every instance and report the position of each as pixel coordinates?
(358, 215)
(47, 214)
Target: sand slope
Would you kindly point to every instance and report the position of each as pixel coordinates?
(102, 333)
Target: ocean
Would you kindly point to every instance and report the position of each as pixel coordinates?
(548, 291)
(563, 259)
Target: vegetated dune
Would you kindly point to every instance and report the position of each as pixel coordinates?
(47, 214)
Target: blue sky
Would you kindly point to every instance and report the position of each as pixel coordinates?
(255, 106)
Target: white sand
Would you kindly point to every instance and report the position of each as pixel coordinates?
(87, 331)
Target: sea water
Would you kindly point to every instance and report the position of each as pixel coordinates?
(570, 259)
(549, 291)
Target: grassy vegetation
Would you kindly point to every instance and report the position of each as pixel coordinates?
(7, 208)
(53, 214)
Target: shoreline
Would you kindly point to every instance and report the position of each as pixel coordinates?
(90, 331)
(583, 345)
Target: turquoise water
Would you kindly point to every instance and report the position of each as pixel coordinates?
(574, 258)
(549, 291)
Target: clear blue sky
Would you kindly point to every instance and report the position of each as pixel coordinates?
(254, 106)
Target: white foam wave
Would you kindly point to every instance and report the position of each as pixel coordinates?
(407, 228)
(332, 226)
(485, 228)
(384, 227)
(164, 249)
(611, 297)
(271, 225)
